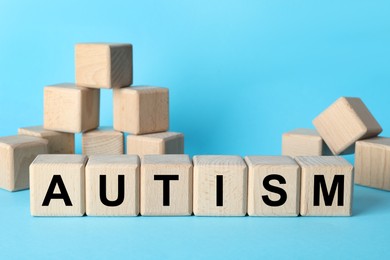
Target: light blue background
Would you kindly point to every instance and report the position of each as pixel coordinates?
(240, 74)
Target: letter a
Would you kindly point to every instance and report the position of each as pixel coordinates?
(57, 180)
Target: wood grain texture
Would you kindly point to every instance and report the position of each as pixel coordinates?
(346, 121)
(103, 65)
(16, 153)
(303, 142)
(59, 143)
(259, 167)
(372, 163)
(234, 172)
(103, 141)
(112, 166)
(158, 143)
(327, 166)
(71, 168)
(180, 191)
(141, 109)
(71, 109)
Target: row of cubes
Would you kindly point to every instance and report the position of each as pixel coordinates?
(17, 152)
(107, 141)
(174, 185)
(138, 109)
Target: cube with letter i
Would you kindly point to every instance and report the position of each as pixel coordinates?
(220, 185)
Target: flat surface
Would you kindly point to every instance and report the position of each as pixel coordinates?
(60, 158)
(192, 237)
(305, 132)
(166, 159)
(240, 74)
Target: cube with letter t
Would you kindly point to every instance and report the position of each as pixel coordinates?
(326, 186)
(166, 185)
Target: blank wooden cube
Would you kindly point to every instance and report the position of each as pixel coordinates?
(344, 122)
(112, 185)
(326, 186)
(273, 186)
(304, 142)
(141, 110)
(372, 163)
(57, 185)
(16, 154)
(159, 143)
(59, 142)
(166, 185)
(100, 65)
(102, 141)
(69, 108)
(220, 185)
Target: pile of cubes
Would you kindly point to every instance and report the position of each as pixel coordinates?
(346, 127)
(140, 111)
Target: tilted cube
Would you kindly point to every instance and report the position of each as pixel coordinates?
(326, 186)
(346, 121)
(273, 186)
(166, 185)
(159, 143)
(59, 142)
(141, 110)
(101, 65)
(57, 185)
(303, 142)
(71, 109)
(102, 141)
(16, 154)
(220, 185)
(112, 185)
(372, 163)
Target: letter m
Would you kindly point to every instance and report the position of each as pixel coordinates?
(320, 185)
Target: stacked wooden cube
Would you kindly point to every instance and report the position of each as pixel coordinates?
(346, 127)
(140, 111)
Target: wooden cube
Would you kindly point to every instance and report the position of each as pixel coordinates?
(57, 185)
(59, 143)
(273, 186)
(103, 141)
(112, 185)
(220, 185)
(166, 185)
(346, 121)
(304, 142)
(16, 154)
(141, 110)
(69, 108)
(159, 143)
(372, 163)
(326, 186)
(100, 65)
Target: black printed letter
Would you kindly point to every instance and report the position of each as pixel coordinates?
(219, 190)
(271, 188)
(166, 179)
(319, 184)
(57, 180)
(121, 191)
